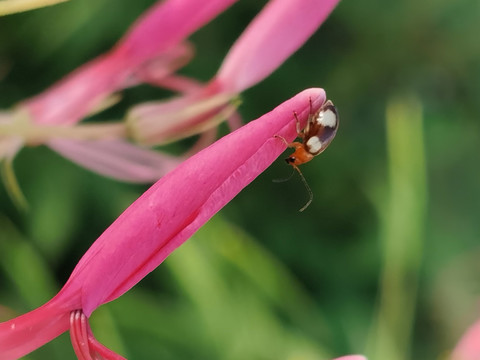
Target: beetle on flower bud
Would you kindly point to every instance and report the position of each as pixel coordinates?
(319, 132)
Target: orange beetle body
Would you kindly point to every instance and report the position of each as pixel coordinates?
(319, 132)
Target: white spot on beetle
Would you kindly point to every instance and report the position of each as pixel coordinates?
(327, 118)
(314, 144)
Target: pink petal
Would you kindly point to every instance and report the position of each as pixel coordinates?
(28, 332)
(468, 348)
(117, 159)
(277, 32)
(169, 212)
(160, 122)
(157, 223)
(166, 24)
(174, 82)
(154, 70)
(77, 95)
(157, 34)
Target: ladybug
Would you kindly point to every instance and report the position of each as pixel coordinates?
(315, 137)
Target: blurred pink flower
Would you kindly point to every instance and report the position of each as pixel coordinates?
(151, 51)
(278, 31)
(157, 223)
(153, 44)
(468, 348)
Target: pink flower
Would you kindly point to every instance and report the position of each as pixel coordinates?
(278, 31)
(157, 223)
(150, 52)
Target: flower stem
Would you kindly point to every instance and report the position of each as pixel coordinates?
(39, 134)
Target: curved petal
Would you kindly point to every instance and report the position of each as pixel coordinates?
(160, 122)
(163, 218)
(277, 32)
(117, 159)
(84, 90)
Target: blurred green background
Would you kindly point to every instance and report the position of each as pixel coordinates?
(383, 262)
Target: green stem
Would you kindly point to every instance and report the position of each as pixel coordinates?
(403, 222)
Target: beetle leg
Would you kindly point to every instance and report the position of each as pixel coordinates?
(300, 133)
(295, 144)
(282, 138)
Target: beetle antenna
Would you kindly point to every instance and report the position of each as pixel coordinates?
(285, 179)
(310, 193)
